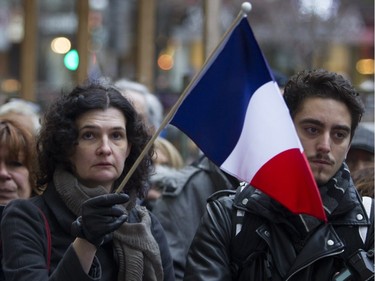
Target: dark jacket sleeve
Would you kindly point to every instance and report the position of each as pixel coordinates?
(208, 256)
(183, 204)
(25, 249)
(166, 259)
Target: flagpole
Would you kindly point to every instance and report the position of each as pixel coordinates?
(245, 9)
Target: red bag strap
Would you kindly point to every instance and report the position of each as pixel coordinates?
(49, 243)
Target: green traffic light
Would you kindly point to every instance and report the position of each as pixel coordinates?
(71, 60)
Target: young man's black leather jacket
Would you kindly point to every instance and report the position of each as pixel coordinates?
(274, 244)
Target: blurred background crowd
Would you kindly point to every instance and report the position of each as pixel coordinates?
(47, 46)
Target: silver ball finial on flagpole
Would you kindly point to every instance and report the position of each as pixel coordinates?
(246, 7)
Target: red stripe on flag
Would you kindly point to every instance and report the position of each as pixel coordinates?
(281, 179)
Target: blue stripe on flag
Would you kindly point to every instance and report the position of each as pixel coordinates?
(214, 110)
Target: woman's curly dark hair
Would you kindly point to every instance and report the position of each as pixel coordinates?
(58, 135)
(324, 84)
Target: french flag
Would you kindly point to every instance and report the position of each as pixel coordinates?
(234, 112)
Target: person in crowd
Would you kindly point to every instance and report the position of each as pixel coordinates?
(17, 164)
(364, 180)
(17, 161)
(182, 203)
(166, 154)
(167, 160)
(82, 227)
(275, 244)
(361, 152)
(146, 103)
(360, 160)
(28, 113)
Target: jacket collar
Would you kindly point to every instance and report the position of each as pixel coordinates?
(340, 198)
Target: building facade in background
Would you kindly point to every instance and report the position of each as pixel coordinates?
(49, 45)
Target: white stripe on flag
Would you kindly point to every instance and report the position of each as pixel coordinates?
(261, 139)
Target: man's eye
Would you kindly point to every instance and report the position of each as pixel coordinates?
(312, 130)
(341, 135)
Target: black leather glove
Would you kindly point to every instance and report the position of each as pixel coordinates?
(100, 217)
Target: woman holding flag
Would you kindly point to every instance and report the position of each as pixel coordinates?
(79, 228)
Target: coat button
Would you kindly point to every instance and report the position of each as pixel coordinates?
(244, 201)
(330, 242)
(359, 217)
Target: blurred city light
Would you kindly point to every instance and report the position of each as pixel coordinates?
(71, 60)
(98, 4)
(16, 30)
(10, 86)
(324, 9)
(165, 62)
(60, 45)
(365, 66)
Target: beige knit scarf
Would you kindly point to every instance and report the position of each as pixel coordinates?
(137, 251)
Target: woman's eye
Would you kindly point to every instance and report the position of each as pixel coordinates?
(117, 135)
(87, 135)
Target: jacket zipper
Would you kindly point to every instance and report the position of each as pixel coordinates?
(324, 256)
